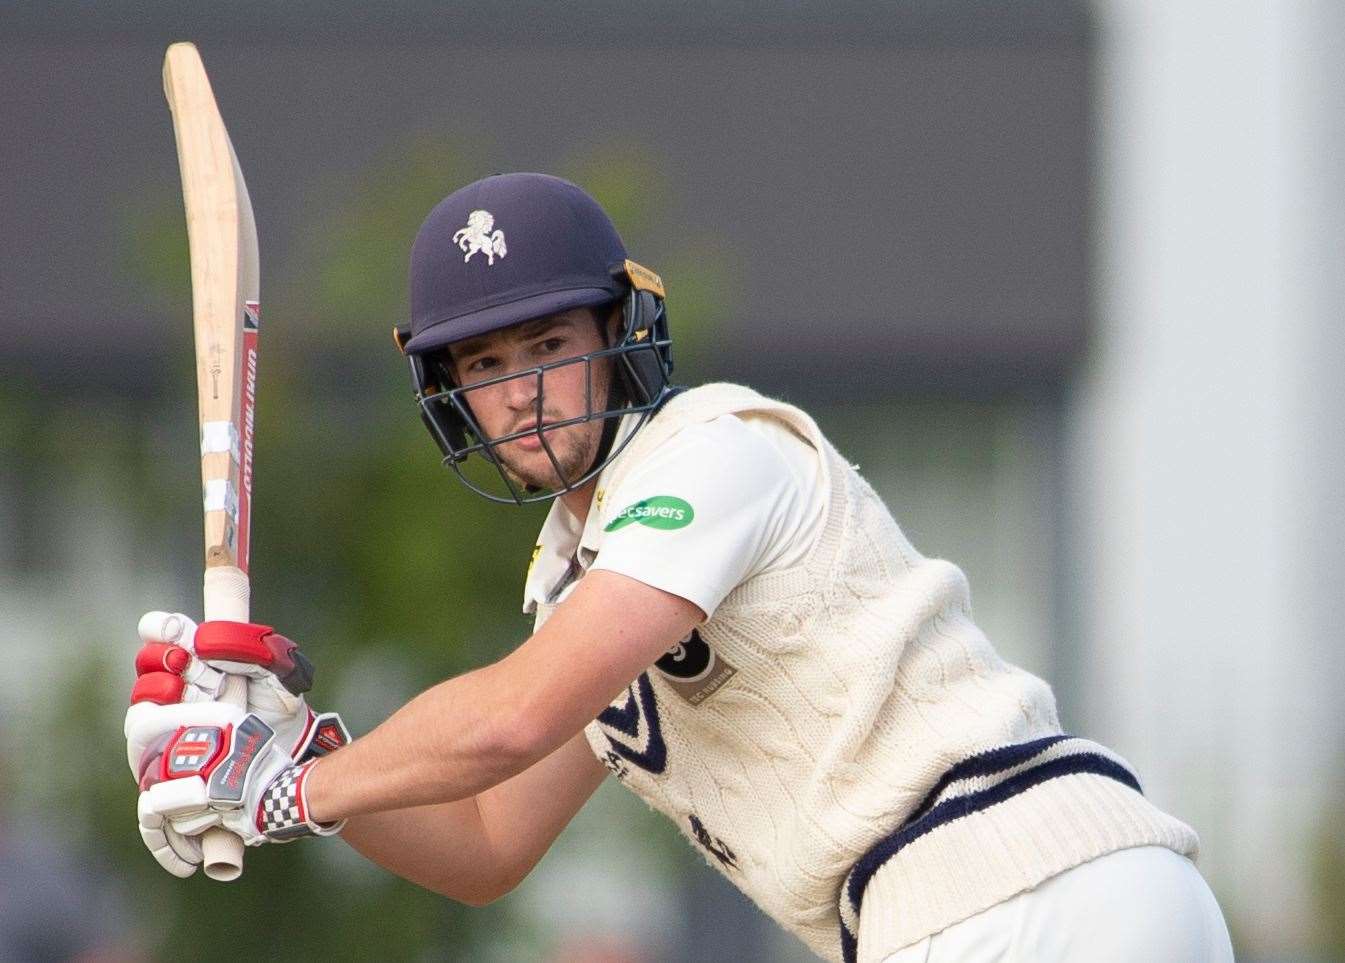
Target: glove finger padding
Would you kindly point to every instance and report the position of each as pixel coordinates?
(169, 650)
(246, 648)
(278, 674)
(183, 662)
(156, 657)
(178, 854)
(161, 688)
(171, 627)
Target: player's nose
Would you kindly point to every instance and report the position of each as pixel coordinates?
(521, 391)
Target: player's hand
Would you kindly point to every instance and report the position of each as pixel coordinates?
(212, 764)
(183, 665)
(183, 662)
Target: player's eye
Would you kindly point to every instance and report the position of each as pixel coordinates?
(481, 364)
(552, 345)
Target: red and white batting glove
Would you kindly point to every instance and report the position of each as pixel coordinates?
(212, 764)
(183, 662)
(180, 668)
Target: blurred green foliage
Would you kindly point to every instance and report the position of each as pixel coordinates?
(392, 574)
(1327, 860)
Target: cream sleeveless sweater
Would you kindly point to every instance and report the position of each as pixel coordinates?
(869, 750)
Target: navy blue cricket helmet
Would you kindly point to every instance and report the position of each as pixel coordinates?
(509, 249)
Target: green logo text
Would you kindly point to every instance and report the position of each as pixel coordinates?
(660, 511)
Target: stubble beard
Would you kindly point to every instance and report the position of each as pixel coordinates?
(575, 449)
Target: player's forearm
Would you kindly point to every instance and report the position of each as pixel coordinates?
(476, 850)
(443, 848)
(449, 743)
(477, 730)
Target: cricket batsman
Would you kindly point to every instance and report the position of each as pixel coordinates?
(728, 621)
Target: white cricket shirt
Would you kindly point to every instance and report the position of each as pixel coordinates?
(728, 499)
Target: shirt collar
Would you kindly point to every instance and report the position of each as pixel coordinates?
(562, 538)
(551, 557)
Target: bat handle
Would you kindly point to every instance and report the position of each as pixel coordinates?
(227, 596)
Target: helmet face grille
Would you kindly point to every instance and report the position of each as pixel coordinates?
(449, 416)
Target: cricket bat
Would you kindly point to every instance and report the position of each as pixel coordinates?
(222, 238)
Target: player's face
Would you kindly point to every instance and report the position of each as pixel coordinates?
(511, 405)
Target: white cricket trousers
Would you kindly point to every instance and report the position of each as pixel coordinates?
(1148, 904)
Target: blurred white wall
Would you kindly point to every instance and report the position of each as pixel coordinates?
(1204, 448)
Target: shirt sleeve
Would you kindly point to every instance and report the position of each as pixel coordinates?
(703, 513)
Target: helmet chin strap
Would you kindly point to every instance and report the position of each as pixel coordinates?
(617, 398)
(615, 393)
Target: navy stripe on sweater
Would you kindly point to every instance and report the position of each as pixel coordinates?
(931, 814)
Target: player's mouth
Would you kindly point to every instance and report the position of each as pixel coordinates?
(532, 441)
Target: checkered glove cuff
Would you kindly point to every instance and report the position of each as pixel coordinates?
(283, 814)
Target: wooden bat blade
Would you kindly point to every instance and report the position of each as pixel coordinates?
(222, 237)
(225, 305)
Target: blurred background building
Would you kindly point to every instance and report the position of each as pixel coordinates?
(1059, 276)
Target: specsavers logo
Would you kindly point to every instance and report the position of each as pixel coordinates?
(660, 511)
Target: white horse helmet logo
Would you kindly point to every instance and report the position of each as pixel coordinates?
(478, 236)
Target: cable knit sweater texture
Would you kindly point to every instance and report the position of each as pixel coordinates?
(861, 682)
